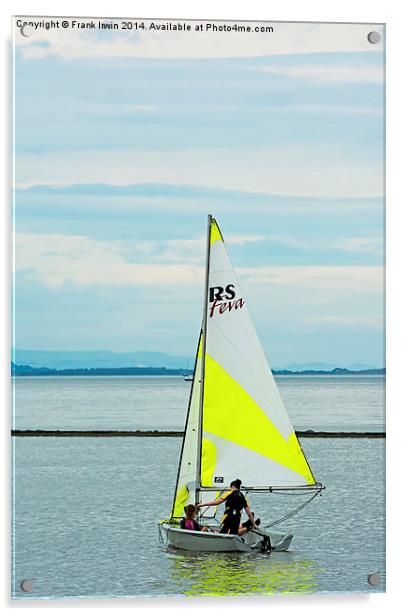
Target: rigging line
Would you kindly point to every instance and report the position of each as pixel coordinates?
(293, 512)
(209, 506)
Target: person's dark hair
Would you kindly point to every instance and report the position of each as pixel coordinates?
(236, 483)
(189, 508)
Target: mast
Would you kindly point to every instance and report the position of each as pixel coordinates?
(204, 346)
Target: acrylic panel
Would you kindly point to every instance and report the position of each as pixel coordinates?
(198, 229)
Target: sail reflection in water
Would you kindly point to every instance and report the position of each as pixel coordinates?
(235, 574)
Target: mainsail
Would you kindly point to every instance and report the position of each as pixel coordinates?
(237, 425)
(245, 426)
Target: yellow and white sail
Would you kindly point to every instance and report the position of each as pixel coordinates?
(237, 425)
(246, 431)
(187, 476)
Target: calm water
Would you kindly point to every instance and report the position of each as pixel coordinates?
(124, 403)
(86, 512)
(86, 509)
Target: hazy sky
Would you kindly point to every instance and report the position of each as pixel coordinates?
(126, 141)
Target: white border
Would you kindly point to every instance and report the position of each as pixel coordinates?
(292, 10)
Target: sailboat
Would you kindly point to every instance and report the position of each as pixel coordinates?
(237, 425)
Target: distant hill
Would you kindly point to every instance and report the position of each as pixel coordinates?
(326, 367)
(61, 360)
(17, 370)
(335, 372)
(99, 359)
(26, 370)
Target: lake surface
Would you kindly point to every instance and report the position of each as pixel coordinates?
(354, 403)
(86, 512)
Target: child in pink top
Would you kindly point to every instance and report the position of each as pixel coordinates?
(188, 523)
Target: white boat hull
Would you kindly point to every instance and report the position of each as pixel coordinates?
(199, 541)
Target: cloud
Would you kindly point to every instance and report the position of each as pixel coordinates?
(84, 293)
(353, 278)
(316, 299)
(361, 245)
(314, 170)
(328, 110)
(327, 73)
(56, 259)
(287, 38)
(369, 245)
(193, 250)
(241, 240)
(369, 320)
(121, 197)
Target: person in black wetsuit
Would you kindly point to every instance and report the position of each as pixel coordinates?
(235, 502)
